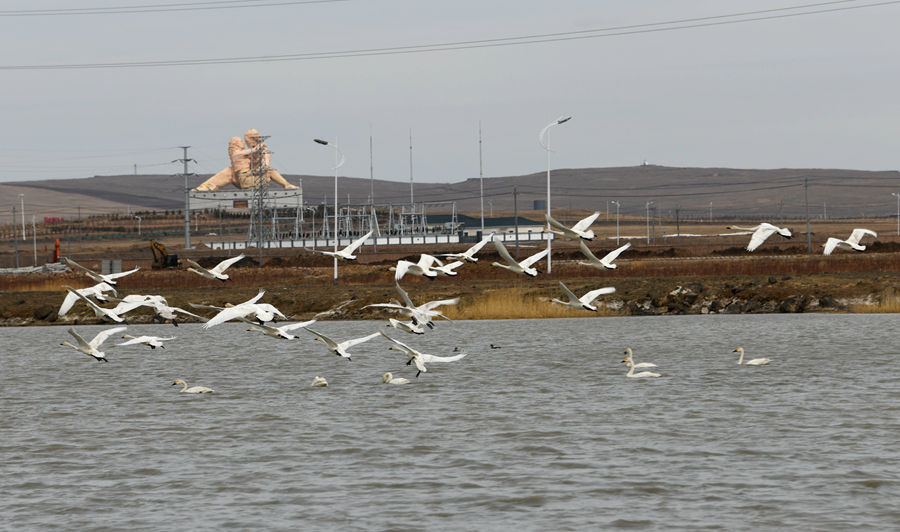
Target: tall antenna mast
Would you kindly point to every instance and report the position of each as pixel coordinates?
(187, 198)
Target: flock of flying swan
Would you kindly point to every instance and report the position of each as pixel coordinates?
(418, 318)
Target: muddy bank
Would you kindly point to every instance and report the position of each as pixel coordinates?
(301, 293)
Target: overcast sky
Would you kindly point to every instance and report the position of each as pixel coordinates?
(817, 90)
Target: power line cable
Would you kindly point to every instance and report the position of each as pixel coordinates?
(160, 8)
(654, 27)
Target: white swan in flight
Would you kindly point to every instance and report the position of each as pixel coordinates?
(447, 269)
(583, 302)
(388, 378)
(632, 375)
(100, 312)
(606, 263)
(761, 232)
(162, 310)
(578, 231)
(97, 291)
(109, 278)
(754, 362)
(407, 326)
(629, 359)
(419, 357)
(341, 348)
(420, 315)
(216, 272)
(192, 389)
(151, 341)
(348, 252)
(518, 267)
(469, 254)
(279, 332)
(423, 268)
(319, 382)
(92, 348)
(261, 312)
(851, 243)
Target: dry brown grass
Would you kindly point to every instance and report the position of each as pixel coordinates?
(886, 303)
(512, 304)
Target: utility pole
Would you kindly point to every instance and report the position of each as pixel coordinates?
(34, 238)
(481, 186)
(22, 199)
(648, 221)
(678, 223)
(15, 235)
(411, 197)
(806, 199)
(187, 197)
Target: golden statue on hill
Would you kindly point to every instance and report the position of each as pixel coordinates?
(244, 159)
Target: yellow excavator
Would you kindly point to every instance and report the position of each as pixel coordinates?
(161, 259)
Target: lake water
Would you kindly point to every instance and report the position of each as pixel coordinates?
(545, 433)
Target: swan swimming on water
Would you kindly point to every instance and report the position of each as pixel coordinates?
(754, 362)
(92, 348)
(192, 389)
(629, 359)
(319, 382)
(388, 378)
(633, 375)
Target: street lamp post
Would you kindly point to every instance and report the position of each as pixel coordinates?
(338, 162)
(139, 224)
(22, 199)
(649, 203)
(617, 220)
(544, 139)
(898, 211)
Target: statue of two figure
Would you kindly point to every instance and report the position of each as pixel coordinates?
(245, 160)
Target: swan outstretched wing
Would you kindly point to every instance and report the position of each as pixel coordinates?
(225, 264)
(760, 235)
(356, 243)
(120, 274)
(104, 334)
(328, 341)
(255, 298)
(504, 253)
(534, 258)
(830, 244)
(403, 347)
(292, 326)
(552, 222)
(403, 295)
(79, 340)
(858, 235)
(197, 266)
(586, 251)
(401, 269)
(356, 341)
(585, 223)
(434, 358)
(614, 254)
(569, 294)
(589, 297)
(431, 305)
(228, 314)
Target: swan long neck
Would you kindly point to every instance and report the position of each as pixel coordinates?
(741, 358)
(184, 387)
(630, 370)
